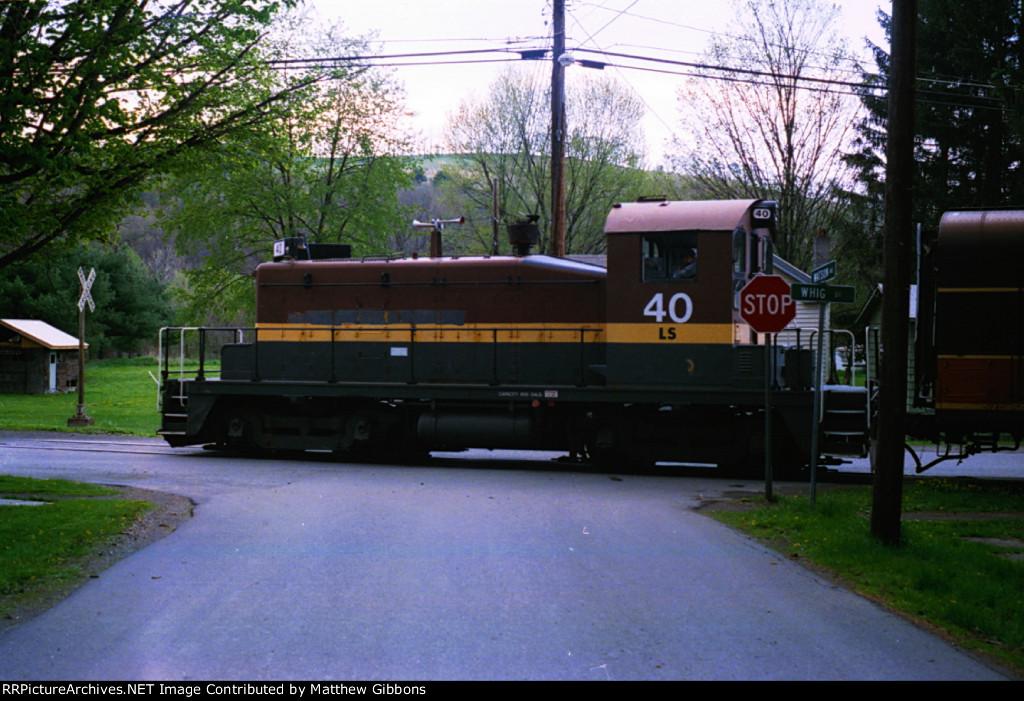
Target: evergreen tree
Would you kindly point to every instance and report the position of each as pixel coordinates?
(969, 110)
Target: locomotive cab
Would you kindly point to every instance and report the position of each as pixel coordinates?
(676, 269)
(676, 343)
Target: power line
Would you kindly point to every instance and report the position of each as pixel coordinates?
(713, 33)
(376, 57)
(618, 14)
(648, 105)
(692, 69)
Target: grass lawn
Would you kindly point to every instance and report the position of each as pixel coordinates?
(120, 397)
(43, 546)
(960, 567)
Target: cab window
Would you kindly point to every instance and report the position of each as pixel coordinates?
(670, 258)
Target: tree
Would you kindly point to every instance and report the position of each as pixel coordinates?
(769, 118)
(328, 169)
(99, 95)
(969, 117)
(504, 145)
(131, 305)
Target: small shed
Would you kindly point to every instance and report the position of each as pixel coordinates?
(36, 358)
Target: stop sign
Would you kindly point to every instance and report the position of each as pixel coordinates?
(766, 305)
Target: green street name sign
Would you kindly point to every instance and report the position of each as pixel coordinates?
(824, 273)
(825, 294)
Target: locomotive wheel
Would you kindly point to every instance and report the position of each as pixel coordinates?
(243, 427)
(604, 458)
(611, 448)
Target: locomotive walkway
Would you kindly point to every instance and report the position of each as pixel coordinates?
(481, 569)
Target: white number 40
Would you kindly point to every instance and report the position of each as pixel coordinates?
(678, 309)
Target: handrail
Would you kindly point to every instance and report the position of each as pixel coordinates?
(811, 335)
(180, 336)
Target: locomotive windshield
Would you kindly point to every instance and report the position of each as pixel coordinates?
(670, 257)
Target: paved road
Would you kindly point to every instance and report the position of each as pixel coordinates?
(479, 569)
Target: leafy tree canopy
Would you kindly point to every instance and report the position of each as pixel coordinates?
(328, 167)
(504, 142)
(98, 95)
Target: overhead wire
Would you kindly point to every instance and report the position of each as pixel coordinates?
(857, 87)
(647, 104)
(691, 69)
(713, 33)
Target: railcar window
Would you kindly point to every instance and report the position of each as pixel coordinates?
(769, 256)
(670, 258)
(739, 249)
(739, 257)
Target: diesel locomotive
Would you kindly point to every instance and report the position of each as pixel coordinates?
(645, 360)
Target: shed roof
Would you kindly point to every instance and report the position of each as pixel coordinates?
(42, 333)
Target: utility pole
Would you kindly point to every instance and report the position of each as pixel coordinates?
(898, 253)
(558, 132)
(495, 219)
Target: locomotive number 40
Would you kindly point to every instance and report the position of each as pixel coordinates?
(678, 309)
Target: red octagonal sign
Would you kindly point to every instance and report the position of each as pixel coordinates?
(766, 305)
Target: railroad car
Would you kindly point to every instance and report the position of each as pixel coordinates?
(967, 377)
(645, 360)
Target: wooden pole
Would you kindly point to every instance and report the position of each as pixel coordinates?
(81, 418)
(558, 132)
(898, 255)
(495, 220)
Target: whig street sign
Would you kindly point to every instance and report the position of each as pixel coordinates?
(819, 292)
(825, 294)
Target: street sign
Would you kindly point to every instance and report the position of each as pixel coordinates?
(824, 294)
(766, 304)
(824, 273)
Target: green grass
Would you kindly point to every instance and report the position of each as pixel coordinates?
(939, 574)
(120, 397)
(42, 546)
(11, 485)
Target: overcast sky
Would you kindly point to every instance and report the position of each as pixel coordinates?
(670, 29)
